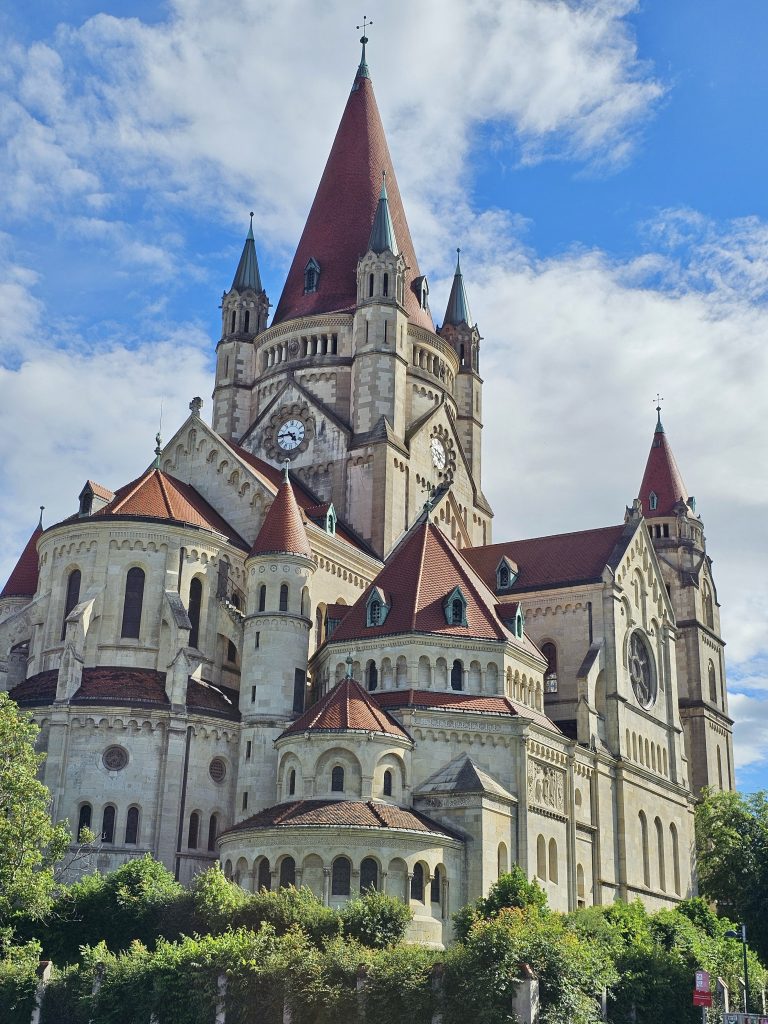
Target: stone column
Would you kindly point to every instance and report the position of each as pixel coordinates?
(408, 880)
(326, 886)
(384, 881)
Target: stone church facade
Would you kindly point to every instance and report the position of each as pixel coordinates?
(291, 645)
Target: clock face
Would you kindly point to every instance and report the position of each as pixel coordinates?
(438, 452)
(290, 435)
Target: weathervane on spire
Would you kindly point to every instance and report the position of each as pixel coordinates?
(40, 521)
(658, 400)
(362, 71)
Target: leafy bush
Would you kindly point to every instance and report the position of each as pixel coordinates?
(511, 890)
(375, 919)
(18, 982)
(400, 986)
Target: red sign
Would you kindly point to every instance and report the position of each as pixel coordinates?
(702, 981)
(702, 998)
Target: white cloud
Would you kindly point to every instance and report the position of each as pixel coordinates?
(750, 730)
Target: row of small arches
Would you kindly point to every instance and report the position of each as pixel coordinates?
(650, 755)
(661, 858)
(426, 360)
(439, 676)
(284, 600)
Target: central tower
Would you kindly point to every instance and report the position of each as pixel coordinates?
(351, 382)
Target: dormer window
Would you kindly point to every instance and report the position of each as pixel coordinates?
(653, 501)
(506, 574)
(376, 608)
(86, 501)
(421, 288)
(311, 276)
(330, 520)
(455, 608)
(519, 623)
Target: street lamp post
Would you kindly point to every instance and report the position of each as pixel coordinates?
(742, 935)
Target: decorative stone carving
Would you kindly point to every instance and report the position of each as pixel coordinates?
(546, 786)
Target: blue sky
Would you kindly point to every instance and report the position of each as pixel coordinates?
(601, 163)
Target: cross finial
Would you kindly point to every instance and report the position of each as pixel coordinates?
(40, 520)
(658, 400)
(362, 71)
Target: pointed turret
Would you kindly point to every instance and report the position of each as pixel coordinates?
(337, 232)
(283, 528)
(457, 310)
(247, 274)
(383, 230)
(662, 487)
(23, 579)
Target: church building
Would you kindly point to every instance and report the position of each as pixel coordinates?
(292, 644)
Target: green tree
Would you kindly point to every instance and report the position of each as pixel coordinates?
(30, 843)
(375, 919)
(511, 890)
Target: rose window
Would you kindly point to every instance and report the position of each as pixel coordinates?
(641, 671)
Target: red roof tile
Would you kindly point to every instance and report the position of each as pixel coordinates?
(416, 579)
(445, 700)
(662, 478)
(339, 224)
(283, 527)
(341, 814)
(565, 559)
(157, 495)
(100, 491)
(23, 579)
(346, 707)
(336, 611)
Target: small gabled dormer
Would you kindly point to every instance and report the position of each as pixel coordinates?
(653, 501)
(376, 608)
(311, 276)
(421, 288)
(455, 608)
(325, 517)
(506, 574)
(513, 618)
(92, 498)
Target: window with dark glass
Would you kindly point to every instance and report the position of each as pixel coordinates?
(457, 675)
(370, 285)
(299, 690)
(134, 598)
(213, 831)
(369, 874)
(337, 779)
(231, 653)
(108, 824)
(292, 782)
(434, 887)
(247, 321)
(132, 826)
(264, 880)
(457, 611)
(550, 673)
(340, 876)
(417, 884)
(387, 783)
(194, 829)
(374, 612)
(287, 872)
(84, 818)
(503, 576)
(373, 675)
(195, 602)
(73, 596)
(385, 286)
(284, 597)
(232, 322)
(262, 597)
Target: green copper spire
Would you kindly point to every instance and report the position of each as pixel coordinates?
(457, 310)
(383, 230)
(247, 275)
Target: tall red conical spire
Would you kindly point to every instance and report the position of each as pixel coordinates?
(23, 580)
(339, 224)
(283, 528)
(662, 478)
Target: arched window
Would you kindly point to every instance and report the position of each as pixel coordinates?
(387, 783)
(341, 873)
(262, 597)
(284, 597)
(247, 321)
(385, 285)
(369, 874)
(675, 857)
(502, 860)
(195, 601)
(194, 829)
(84, 818)
(370, 285)
(580, 897)
(213, 831)
(552, 860)
(660, 853)
(374, 613)
(541, 858)
(653, 501)
(719, 769)
(503, 577)
(417, 883)
(73, 596)
(457, 675)
(337, 779)
(264, 877)
(108, 824)
(646, 854)
(373, 675)
(457, 611)
(435, 886)
(709, 615)
(550, 675)
(292, 782)
(287, 872)
(232, 322)
(132, 826)
(134, 598)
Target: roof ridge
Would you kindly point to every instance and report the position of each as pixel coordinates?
(130, 489)
(420, 573)
(546, 536)
(472, 579)
(164, 492)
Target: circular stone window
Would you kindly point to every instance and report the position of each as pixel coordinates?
(115, 758)
(217, 769)
(641, 671)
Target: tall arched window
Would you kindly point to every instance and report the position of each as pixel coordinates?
(660, 854)
(374, 613)
(194, 830)
(292, 782)
(262, 597)
(247, 321)
(195, 601)
(213, 832)
(457, 675)
(387, 783)
(373, 675)
(719, 768)
(284, 597)
(72, 597)
(502, 860)
(457, 611)
(337, 779)
(553, 873)
(132, 826)
(541, 858)
(369, 874)
(712, 682)
(417, 883)
(264, 878)
(385, 285)
(580, 896)
(134, 598)
(709, 614)
(675, 857)
(646, 853)
(435, 886)
(84, 818)
(287, 872)
(108, 824)
(341, 873)
(550, 674)
(370, 285)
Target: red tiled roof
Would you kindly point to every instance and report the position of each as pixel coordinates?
(661, 477)
(283, 526)
(341, 814)
(157, 495)
(336, 611)
(415, 581)
(339, 224)
(346, 707)
(100, 491)
(444, 700)
(112, 685)
(560, 560)
(23, 579)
